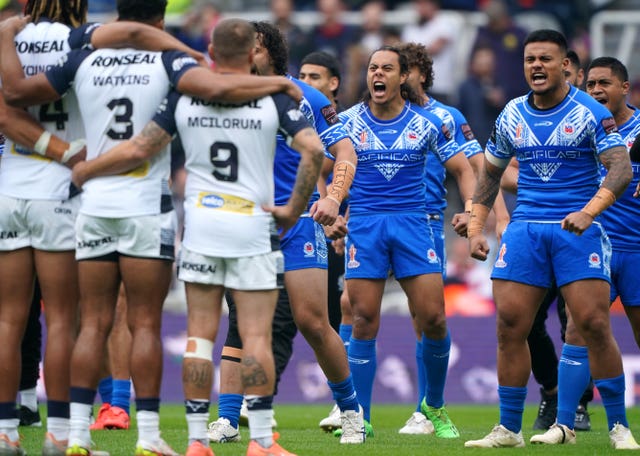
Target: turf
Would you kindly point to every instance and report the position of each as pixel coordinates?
(298, 425)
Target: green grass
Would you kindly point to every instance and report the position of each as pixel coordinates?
(298, 425)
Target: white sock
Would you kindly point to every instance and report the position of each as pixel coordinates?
(260, 427)
(148, 426)
(79, 424)
(9, 427)
(197, 424)
(29, 398)
(58, 427)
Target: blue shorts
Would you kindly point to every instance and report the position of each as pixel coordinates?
(382, 242)
(536, 253)
(437, 231)
(624, 277)
(304, 246)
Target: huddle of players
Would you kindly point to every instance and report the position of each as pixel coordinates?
(219, 194)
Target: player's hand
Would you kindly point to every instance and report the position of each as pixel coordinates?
(14, 24)
(338, 246)
(338, 230)
(636, 194)
(78, 174)
(284, 216)
(460, 222)
(77, 157)
(479, 247)
(325, 211)
(577, 222)
(292, 89)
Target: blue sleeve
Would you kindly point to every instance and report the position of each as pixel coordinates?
(61, 76)
(177, 63)
(606, 130)
(323, 115)
(81, 37)
(464, 135)
(499, 144)
(165, 115)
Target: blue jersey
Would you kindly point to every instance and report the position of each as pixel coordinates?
(323, 117)
(391, 157)
(621, 219)
(557, 150)
(435, 172)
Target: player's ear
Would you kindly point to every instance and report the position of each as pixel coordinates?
(210, 50)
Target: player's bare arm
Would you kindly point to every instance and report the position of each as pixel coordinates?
(461, 169)
(123, 34)
(234, 88)
(125, 156)
(326, 209)
(509, 181)
(308, 144)
(619, 175)
(483, 199)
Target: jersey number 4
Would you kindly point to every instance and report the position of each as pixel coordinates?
(54, 113)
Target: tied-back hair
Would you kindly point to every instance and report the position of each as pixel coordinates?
(276, 45)
(405, 89)
(70, 12)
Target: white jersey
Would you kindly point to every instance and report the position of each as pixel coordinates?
(26, 174)
(119, 91)
(229, 151)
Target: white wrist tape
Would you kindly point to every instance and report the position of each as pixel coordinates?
(75, 147)
(42, 143)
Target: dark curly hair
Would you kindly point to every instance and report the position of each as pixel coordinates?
(146, 11)
(405, 89)
(275, 44)
(69, 12)
(418, 56)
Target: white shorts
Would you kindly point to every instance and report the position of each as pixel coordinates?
(42, 224)
(146, 236)
(252, 273)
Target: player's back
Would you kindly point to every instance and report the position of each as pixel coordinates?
(26, 174)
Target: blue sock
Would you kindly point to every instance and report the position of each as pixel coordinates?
(363, 364)
(422, 374)
(229, 406)
(105, 387)
(612, 393)
(345, 333)
(435, 355)
(512, 406)
(121, 394)
(345, 394)
(573, 378)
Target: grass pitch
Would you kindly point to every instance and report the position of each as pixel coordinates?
(298, 426)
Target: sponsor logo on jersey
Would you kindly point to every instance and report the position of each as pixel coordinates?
(545, 171)
(467, 132)
(546, 123)
(389, 170)
(63, 210)
(295, 114)
(609, 125)
(17, 149)
(198, 267)
(500, 263)
(39, 47)
(182, 62)
(353, 263)
(134, 58)
(594, 261)
(330, 115)
(308, 250)
(8, 234)
(227, 203)
(432, 256)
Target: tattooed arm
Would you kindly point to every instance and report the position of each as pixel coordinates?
(308, 144)
(125, 156)
(619, 175)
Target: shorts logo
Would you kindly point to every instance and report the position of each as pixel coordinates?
(8, 234)
(353, 263)
(545, 171)
(594, 261)
(309, 251)
(432, 256)
(500, 263)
